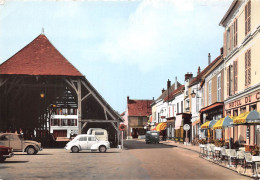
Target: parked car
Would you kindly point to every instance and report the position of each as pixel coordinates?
(17, 142)
(101, 134)
(5, 152)
(152, 137)
(87, 142)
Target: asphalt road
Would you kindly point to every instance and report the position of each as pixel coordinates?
(138, 161)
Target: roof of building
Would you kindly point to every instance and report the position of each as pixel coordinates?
(231, 9)
(139, 107)
(171, 89)
(39, 57)
(198, 78)
(174, 93)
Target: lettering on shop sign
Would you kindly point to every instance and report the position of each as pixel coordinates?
(257, 95)
(251, 98)
(235, 103)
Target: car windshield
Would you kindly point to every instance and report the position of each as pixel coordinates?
(75, 139)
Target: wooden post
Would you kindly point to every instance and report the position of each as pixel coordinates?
(79, 106)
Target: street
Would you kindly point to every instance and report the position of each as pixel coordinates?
(138, 161)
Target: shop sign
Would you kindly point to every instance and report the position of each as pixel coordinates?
(247, 132)
(243, 101)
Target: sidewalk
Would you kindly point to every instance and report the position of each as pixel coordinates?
(238, 169)
(181, 145)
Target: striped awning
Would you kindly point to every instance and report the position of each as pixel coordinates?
(161, 126)
(223, 123)
(248, 117)
(208, 124)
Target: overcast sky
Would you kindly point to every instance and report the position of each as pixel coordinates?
(124, 48)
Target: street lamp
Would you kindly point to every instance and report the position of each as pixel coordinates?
(42, 95)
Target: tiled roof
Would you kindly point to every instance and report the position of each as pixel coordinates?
(165, 93)
(199, 76)
(139, 107)
(39, 57)
(173, 93)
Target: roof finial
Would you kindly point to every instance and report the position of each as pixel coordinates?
(42, 30)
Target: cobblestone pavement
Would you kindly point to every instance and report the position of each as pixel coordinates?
(139, 161)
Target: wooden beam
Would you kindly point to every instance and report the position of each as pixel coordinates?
(86, 96)
(72, 85)
(79, 105)
(84, 125)
(98, 120)
(116, 128)
(105, 114)
(3, 81)
(94, 95)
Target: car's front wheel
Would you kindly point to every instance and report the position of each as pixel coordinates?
(102, 149)
(30, 150)
(74, 149)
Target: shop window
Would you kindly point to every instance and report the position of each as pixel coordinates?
(64, 122)
(228, 113)
(235, 112)
(242, 110)
(252, 107)
(55, 122)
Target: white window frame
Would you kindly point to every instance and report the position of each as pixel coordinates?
(209, 92)
(219, 88)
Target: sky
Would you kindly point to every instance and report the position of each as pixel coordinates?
(124, 48)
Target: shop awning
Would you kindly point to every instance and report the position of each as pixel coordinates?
(253, 117)
(248, 117)
(241, 118)
(161, 126)
(205, 125)
(208, 124)
(223, 123)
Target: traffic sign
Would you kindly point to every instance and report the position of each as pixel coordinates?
(122, 127)
(186, 127)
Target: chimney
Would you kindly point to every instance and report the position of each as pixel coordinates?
(209, 59)
(188, 76)
(127, 99)
(221, 51)
(176, 83)
(163, 90)
(168, 84)
(198, 70)
(153, 98)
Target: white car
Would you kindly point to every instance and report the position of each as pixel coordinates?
(87, 142)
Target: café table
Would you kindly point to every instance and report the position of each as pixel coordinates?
(256, 160)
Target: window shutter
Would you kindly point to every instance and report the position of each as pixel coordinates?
(249, 16)
(235, 76)
(249, 67)
(231, 37)
(246, 69)
(246, 19)
(235, 33)
(228, 70)
(225, 44)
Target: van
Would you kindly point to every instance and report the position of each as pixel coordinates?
(101, 134)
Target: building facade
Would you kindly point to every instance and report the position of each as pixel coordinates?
(242, 66)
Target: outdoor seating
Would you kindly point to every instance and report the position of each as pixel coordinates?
(248, 161)
(240, 159)
(232, 156)
(213, 154)
(224, 155)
